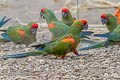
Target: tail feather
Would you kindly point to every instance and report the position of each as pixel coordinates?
(3, 40)
(41, 46)
(86, 33)
(21, 55)
(93, 46)
(102, 35)
(5, 36)
(102, 44)
(82, 40)
(4, 20)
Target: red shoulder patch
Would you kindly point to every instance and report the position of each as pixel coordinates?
(51, 25)
(69, 39)
(21, 32)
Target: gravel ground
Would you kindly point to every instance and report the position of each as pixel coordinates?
(100, 64)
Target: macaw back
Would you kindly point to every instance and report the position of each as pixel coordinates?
(26, 38)
(58, 29)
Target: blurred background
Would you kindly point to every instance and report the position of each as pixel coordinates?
(28, 10)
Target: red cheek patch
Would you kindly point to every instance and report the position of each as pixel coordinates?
(77, 25)
(21, 32)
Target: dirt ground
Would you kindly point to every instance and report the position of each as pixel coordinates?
(100, 64)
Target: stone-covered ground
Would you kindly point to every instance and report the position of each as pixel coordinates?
(100, 64)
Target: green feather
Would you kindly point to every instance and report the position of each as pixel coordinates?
(58, 48)
(17, 38)
(68, 20)
(112, 22)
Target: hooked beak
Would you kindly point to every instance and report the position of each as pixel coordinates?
(42, 15)
(85, 27)
(64, 15)
(104, 21)
(33, 31)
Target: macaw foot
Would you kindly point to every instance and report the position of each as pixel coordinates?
(107, 43)
(82, 54)
(63, 57)
(77, 54)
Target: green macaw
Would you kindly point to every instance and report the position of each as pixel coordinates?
(59, 47)
(58, 28)
(21, 34)
(4, 20)
(68, 20)
(67, 17)
(111, 23)
(113, 39)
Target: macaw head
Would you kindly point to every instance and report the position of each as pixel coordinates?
(34, 27)
(84, 22)
(104, 19)
(65, 12)
(108, 18)
(76, 27)
(42, 13)
(85, 25)
(47, 14)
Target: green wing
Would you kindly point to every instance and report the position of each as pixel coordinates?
(58, 48)
(13, 34)
(115, 35)
(60, 30)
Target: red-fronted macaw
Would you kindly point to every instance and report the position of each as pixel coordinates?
(59, 47)
(21, 34)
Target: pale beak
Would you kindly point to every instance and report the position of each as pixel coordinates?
(34, 30)
(64, 15)
(42, 15)
(85, 27)
(104, 21)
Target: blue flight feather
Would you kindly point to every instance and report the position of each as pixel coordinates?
(4, 20)
(102, 35)
(5, 36)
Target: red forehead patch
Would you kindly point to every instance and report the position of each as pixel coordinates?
(42, 10)
(65, 10)
(104, 16)
(83, 21)
(34, 25)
